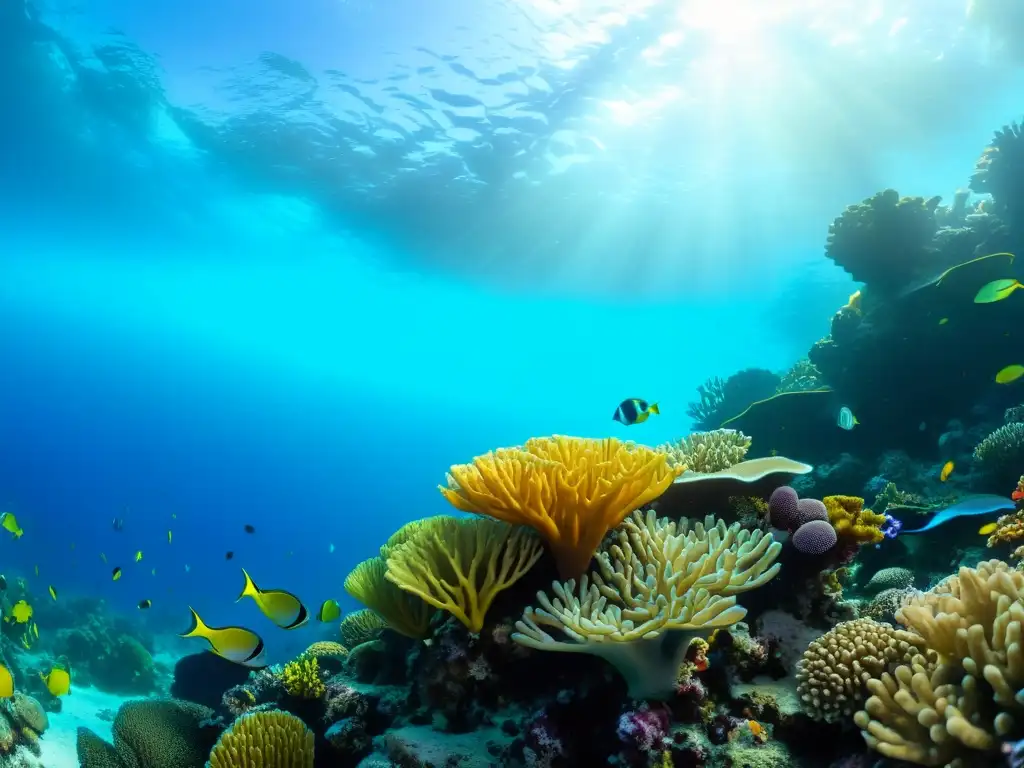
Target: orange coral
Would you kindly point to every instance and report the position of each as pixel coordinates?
(571, 490)
(852, 522)
(1009, 528)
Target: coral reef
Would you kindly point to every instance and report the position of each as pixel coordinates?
(707, 451)
(360, 627)
(264, 740)
(722, 400)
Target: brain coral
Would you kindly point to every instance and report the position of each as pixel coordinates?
(890, 578)
(783, 508)
(815, 538)
(835, 667)
(810, 509)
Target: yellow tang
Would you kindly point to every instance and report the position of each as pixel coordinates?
(6, 682)
(10, 524)
(237, 644)
(282, 608)
(947, 470)
(58, 682)
(53, 592)
(997, 290)
(1009, 374)
(138, 556)
(988, 528)
(21, 612)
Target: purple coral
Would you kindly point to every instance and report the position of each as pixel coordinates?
(645, 729)
(783, 508)
(815, 537)
(891, 527)
(810, 509)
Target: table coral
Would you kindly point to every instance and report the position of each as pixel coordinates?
(707, 451)
(571, 490)
(852, 522)
(835, 667)
(658, 585)
(957, 704)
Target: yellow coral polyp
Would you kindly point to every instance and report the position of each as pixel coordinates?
(271, 739)
(301, 679)
(852, 522)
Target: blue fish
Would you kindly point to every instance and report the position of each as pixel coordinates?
(846, 420)
(985, 504)
(633, 410)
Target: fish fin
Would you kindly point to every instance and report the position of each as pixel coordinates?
(641, 417)
(250, 589)
(654, 409)
(301, 619)
(196, 628)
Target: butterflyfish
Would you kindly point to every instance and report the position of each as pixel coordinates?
(116, 573)
(138, 556)
(237, 644)
(282, 608)
(53, 592)
(6, 682)
(10, 524)
(997, 290)
(21, 612)
(1009, 374)
(947, 470)
(58, 682)
(846, 420)
(988, 528)
(144, 604)
(329, 611)
(633, 410)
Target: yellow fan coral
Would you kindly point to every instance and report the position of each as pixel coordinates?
(571, 490)
(361, 626)
(852, 522)
(403, 612)
(461, 565)
(272, 739)
(658, 585)
(959, 709)
(301, 678)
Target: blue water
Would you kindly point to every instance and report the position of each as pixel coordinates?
(282, 266)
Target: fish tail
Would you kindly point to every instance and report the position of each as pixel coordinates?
(654, 409)
(250, 589)
(196, 628)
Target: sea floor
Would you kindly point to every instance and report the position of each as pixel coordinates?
(85, 707)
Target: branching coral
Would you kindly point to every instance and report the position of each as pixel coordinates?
(403, 612)
(270, 739)
(460, 565)
(803, 376)
(361, 626)
(852, 522)
(998, 172)
(721, 400)
(884, 241)
(301, 679)
(707, 451)
(1003, 449)
(571, 490)
(832, 673)
(657, 587)
(954, 711)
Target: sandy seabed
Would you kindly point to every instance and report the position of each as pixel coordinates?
(81, 709)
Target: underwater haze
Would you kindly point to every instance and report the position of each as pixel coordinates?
(281, 265)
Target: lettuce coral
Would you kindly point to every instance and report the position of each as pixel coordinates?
(658, 585)
(571, 490)
(461, 565)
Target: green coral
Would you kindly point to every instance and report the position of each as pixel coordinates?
(884, 241)
(152, 733)
(301, 678)
(360, 627)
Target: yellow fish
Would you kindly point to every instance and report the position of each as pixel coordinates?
(329, 611)
(168, 537)
(997, 290)
(282, 608)
(1009, 374)
(25, 642)
(10, 524)
(988, 528)
(947, 470)
(35, 630)
(53, 592)
(237, 644)
(6, 682)
(943, 321)
(21, 612)
(58, 682)
(116, 574)
(138, 556)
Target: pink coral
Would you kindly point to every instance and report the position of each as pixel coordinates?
(645, 729)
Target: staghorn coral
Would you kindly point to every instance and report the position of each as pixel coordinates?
(405, 613)
(852, 522)
(658, 585)
(707, 451)
(831, 675)
(884, 241)
(571, 490)
(361, 626)
(271, 739)
(721, 400)
(301, 679)
(954, 712)
(461, 565)
(1002, 449)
